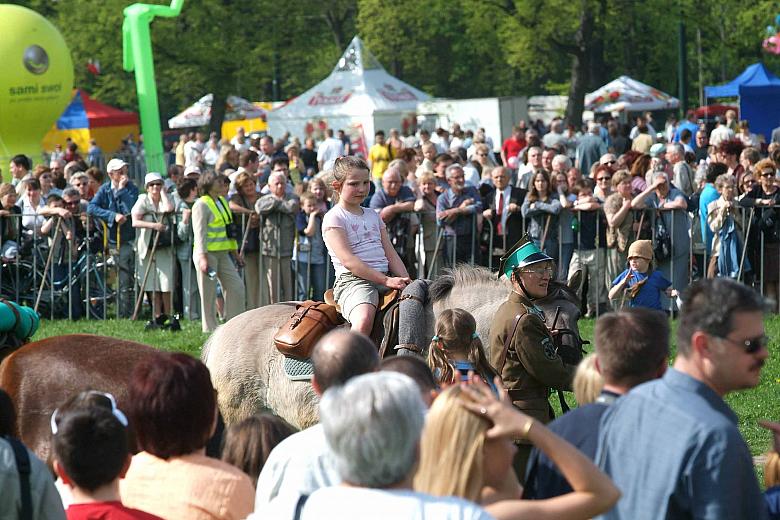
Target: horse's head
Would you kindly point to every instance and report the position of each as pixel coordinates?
(561, 309)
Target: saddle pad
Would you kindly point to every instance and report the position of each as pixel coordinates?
(297, 370)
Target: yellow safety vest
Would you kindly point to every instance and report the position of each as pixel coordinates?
(216, 235)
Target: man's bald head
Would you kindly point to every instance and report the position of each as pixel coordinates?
(341, 355)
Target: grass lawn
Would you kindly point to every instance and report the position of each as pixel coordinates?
(750, 405)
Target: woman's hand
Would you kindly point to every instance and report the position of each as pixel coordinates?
(397, 282)
(203, 264)
(507, 420)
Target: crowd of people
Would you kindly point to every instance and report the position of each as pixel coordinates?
(704, 193)
(407, 437)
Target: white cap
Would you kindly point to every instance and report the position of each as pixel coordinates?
(115, 164)
(152, 177)
(191, 169)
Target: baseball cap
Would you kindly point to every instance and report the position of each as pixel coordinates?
(192, 169)
(115, 164)
(657, 149)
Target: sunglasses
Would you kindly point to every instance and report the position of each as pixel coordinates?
(154, 184)
(751, 346)
(120, 416)
(768, 174)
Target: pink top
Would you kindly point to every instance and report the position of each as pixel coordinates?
(192, 486)
(363, 235)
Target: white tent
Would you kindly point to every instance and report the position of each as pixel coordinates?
(199, 113)
(359, 96)
(629, 95)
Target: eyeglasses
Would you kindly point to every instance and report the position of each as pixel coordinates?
(751, 346)
(539, 272)
(120, 416)
(153, 184)
(604, 179)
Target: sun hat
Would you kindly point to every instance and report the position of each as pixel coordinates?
(641, 249)
(152, 177)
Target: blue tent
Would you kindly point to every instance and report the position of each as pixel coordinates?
(759, 97)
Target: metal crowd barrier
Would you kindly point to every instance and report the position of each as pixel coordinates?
(87, 270)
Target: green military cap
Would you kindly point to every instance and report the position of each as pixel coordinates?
(522, 254)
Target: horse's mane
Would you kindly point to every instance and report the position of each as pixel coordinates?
(480, 279)
(462, 274)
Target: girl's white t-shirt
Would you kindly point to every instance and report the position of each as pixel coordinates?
(364, 235)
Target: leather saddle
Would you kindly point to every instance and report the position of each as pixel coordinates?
(386, 301)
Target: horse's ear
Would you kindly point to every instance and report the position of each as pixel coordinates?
(575, 280)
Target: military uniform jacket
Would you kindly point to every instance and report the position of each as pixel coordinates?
(533, 365)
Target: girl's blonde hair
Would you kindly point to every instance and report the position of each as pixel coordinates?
(772, 469)
(452, 449)
(587, 382)
(344, 165)
(456, 331)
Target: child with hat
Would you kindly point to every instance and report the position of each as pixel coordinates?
(642, 284)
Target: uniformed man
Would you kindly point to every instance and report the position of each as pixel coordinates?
(521, 348)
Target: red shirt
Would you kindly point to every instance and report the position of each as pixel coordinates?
(106, 511)
(511, 147)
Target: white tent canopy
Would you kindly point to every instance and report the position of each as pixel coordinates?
(199, 113)
(358, 96)
(629, 95)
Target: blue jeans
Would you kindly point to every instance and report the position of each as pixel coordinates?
(310, 276)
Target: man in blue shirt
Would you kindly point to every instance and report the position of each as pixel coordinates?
(690, 125)
(673, 445)
(456, 211)
(632, 347)
(112, 204)
(590, 149)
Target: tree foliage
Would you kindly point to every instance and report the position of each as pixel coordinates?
(449, 48)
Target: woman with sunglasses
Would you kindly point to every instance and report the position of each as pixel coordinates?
(45, 178)
(603, 176)
(746, 185)
(151, 214)
(764, 201)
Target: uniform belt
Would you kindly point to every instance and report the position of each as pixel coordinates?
(528, 393)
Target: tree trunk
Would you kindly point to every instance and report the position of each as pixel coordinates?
(218, 108)
(580, 67)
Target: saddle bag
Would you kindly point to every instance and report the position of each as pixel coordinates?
(310, 321)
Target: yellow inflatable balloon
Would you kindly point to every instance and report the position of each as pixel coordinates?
(36, 80)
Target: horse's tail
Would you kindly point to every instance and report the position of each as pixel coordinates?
(441, 287)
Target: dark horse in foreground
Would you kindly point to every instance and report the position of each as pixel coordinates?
(43, 374)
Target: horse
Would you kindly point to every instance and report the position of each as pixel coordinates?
(43, 374)
(248, 371)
